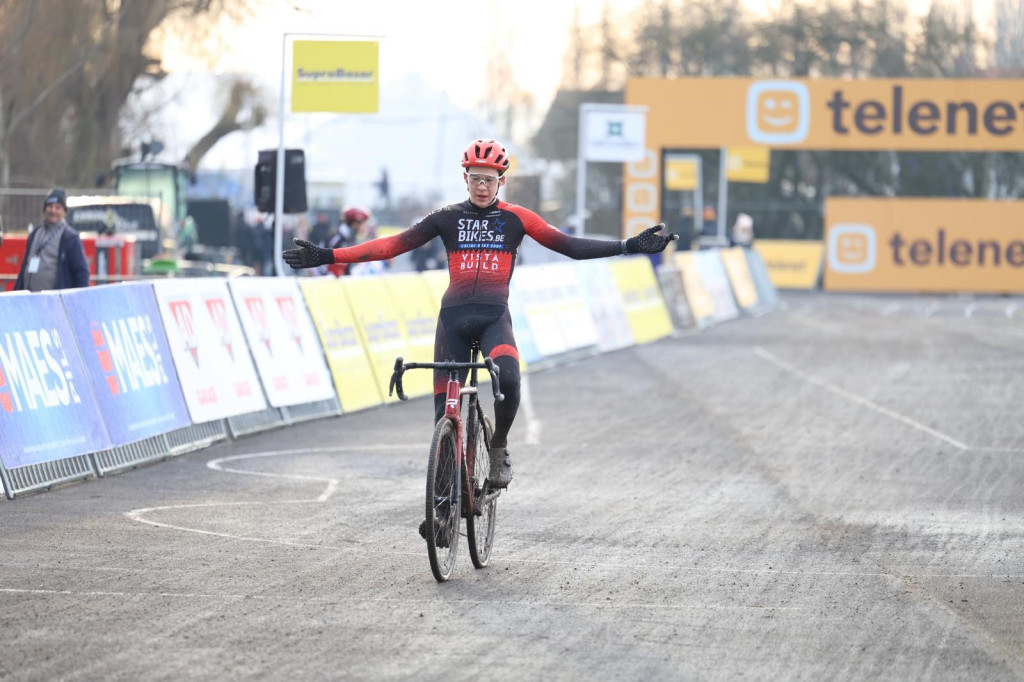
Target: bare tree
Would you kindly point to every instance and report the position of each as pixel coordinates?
(66, 71)
(244, 109)
(1009, 46)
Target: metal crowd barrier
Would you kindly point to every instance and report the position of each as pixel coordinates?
(35, 477)
(195, 437)
(45, 475)
(308, 411)
(254, 422)
(131, 455)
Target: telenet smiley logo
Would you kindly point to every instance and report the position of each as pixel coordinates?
(852, 248)
(778, 112)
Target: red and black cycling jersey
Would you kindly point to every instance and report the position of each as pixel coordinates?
(482, 244)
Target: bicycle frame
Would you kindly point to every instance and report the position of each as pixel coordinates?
(454, 392)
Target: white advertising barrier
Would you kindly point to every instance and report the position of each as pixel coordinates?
(282, 340)
(553, 306)
(212, 360)
(535, 300)
(716, 282)
(606, 308)
(528, 351)
(570, 306)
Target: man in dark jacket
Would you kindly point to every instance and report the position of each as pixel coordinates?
(54, 256)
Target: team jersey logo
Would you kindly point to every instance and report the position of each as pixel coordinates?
(477, 233)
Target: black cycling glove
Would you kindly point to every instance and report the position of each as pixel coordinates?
(308, 256)
(648, 241)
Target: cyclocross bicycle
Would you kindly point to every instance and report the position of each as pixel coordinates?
(457, 449)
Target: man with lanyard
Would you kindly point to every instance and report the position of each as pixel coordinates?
(54, 256)
(482, 237)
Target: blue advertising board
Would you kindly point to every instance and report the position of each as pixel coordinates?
(124, 348)
(47, 407)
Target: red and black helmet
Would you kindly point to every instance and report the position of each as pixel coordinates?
(354, 214)
(486, 154)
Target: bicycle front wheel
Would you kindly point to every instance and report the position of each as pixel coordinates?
(480, 526)
(443, 513)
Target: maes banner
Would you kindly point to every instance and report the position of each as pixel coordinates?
(124, 348)
(47, 409)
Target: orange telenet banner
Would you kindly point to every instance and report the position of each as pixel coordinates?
(924, 245)
(902, 114)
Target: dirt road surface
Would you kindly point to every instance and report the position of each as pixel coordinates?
(834, 490)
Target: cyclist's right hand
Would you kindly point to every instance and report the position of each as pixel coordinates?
(308, 255)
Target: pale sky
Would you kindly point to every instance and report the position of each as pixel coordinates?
(445, 42)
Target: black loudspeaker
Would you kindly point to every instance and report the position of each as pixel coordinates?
(294, 181)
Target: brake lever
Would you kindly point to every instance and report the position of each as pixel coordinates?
(494, 371)
(396, 380)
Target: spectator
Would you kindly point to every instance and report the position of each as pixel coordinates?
(685, 228)
(188, 236)
(245, 242)
(321, 230)
(710, 221)
(356, 229)
(743, 231)
(430, 256)
(54, 256)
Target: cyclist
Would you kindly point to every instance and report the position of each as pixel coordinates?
(482, 237)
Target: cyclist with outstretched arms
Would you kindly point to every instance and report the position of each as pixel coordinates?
(482, 236)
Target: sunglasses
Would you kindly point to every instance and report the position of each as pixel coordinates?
(485, 180)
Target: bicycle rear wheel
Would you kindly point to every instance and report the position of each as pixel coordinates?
(443, 513)
(480, 526)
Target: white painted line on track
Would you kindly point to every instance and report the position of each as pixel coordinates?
(218, 465)
(403, 602)
(1010, 310)
(533, 425)
(828, 386)
(137, 515)
(765, 571)
(332, 483)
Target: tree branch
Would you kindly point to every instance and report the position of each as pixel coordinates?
(44, 93)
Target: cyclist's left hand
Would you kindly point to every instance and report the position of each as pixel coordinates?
(309, 255)
(649, 241)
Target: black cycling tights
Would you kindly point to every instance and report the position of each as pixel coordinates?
(491, 325)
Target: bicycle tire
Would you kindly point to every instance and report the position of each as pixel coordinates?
(480, 528)
(443, 506)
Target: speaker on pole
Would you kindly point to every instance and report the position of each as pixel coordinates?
(264, 187)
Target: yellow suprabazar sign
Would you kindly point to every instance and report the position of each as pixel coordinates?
(924, 245)
(340, 76)
(902, 114)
